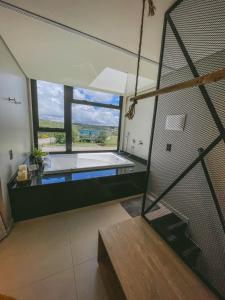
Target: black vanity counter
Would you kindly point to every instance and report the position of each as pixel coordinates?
(47, 194)
(39, 179)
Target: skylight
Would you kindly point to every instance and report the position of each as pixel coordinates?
(120, 82)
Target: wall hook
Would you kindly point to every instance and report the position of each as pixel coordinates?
(13, 100)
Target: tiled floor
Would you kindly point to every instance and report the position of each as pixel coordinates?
(54, 257)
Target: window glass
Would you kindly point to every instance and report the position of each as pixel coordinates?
(95, 96)
(94, 128)
(50, 104)
(52, 141)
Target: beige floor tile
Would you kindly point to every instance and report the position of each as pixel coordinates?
(84, 226)
(85, 249)
(32, 230)
(37, 252)
(34, 250)
(89, 282)
(60, 286)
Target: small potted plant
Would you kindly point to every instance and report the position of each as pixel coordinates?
(38, 156)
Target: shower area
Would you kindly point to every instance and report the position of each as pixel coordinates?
(186, 172)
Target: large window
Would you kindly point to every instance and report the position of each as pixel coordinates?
(95, 119)
(70, 119)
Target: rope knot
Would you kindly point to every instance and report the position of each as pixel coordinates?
(151, 8)
(131, 112)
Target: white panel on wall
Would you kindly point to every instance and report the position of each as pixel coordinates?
(175, 122)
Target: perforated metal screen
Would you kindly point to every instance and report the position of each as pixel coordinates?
(194, 44)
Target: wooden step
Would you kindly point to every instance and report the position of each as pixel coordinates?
(137, 264)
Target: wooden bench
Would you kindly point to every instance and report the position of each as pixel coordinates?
(136, 264)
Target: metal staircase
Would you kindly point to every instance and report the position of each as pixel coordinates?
(173, 230)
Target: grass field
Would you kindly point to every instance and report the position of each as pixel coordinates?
(50, 124)
(52, 142)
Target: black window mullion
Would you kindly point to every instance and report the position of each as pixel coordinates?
(68, 96)
(35, 111)
(85, 102)
(120, 122)
(48, 129)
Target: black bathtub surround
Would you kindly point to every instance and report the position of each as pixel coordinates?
(48, 194)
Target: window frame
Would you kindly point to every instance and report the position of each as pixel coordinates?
(68, 103)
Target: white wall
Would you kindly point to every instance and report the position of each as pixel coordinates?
(139, 128)
(14, 123)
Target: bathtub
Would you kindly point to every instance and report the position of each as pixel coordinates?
(60, 163)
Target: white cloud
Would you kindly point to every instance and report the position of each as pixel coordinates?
(91, 115)
(96, 96)
(50, 101)
(51, 105)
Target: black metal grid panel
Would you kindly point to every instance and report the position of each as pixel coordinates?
(197, 48)
(201, 25)
(166, 166)
(192, 201)
(173, 56)
(215, 162)
(216, 91)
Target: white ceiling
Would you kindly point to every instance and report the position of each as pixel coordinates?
(49, 53)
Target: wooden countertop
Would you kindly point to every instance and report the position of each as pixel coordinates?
(146, 267)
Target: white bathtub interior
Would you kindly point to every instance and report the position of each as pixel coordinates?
(58, 163)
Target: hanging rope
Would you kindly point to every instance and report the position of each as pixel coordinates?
(151, 12)
(151, 8)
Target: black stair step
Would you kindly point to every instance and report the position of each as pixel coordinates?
(173, 229)
(171, 238)
(183, 243)
(191, 256)
(187, 250)
(167, 220)
(190, 250)
(169, 224)
(178, 228)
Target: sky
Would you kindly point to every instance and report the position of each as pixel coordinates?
(95, 96)
(51, 105)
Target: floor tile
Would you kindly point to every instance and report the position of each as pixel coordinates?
(34, 250)
(57, 287)
(84, 226)
(89, 281)
(39, 258)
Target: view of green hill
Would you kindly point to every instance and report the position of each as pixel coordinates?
(95, 127)
(55, 124)
(50, 124)
(109, 134)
